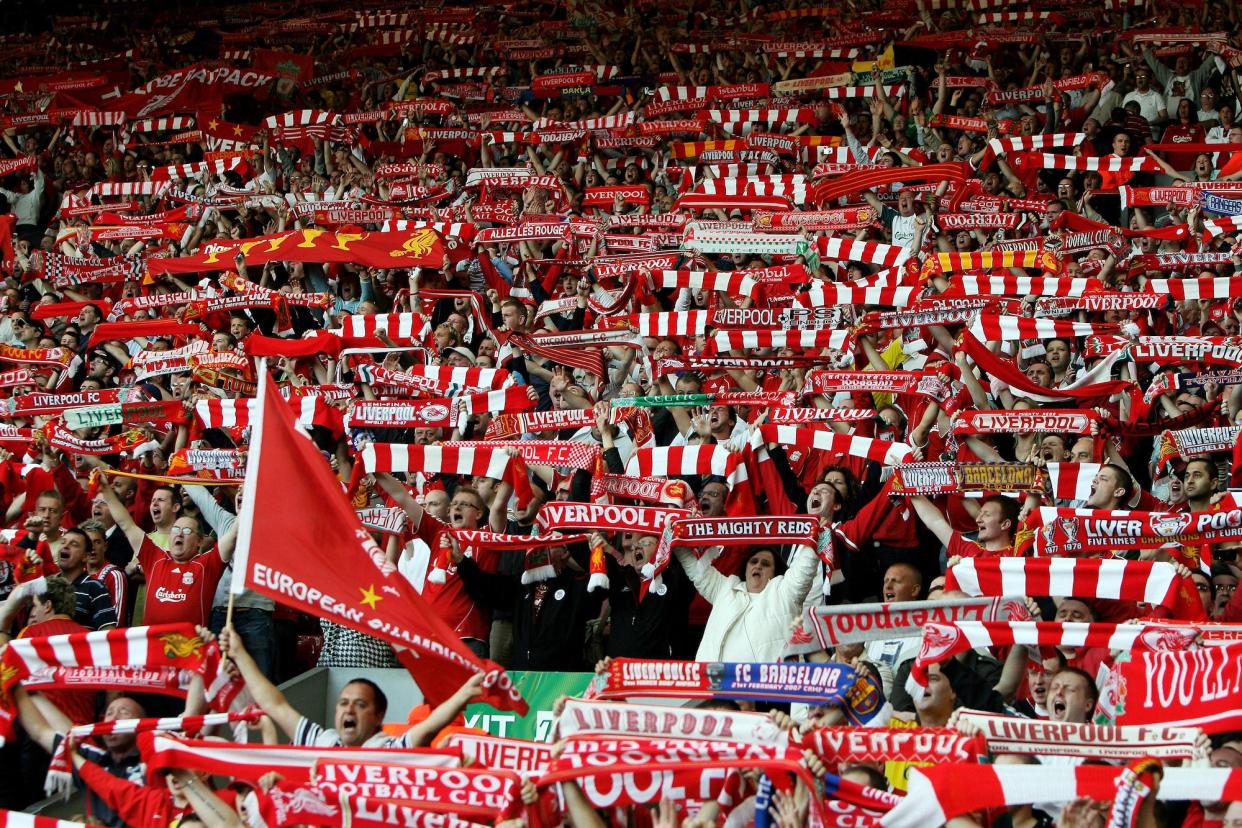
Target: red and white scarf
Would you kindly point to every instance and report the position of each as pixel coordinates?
(250, 762)
(474, 793)
(1072, 481)
(1013, 734)
(943, 641)
(476, 460)
(1147, 582)
(579, 716)
(558, 453)
(175, 646)
(825, 627)
(1207, 287)
(655, 768)
(810, 340)
(1011, 285)
(885, 452)
(1004, 421)
(992, 328)
(838, 745)
(678, 461)
(59, 775)
(937, 794)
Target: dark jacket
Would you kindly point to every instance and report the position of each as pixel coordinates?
(644, 629)
(554, 639)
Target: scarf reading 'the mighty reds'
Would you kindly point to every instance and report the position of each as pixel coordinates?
(1033, 737)
(943, 641)
(162, 646)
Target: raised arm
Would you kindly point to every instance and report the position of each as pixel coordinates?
(266, 694)
(124, 521)
(932, 518)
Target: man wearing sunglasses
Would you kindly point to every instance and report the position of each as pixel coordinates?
(180, 580)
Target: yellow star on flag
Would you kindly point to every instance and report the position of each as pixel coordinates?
(213, 123)
(370, 597)
(237, 130)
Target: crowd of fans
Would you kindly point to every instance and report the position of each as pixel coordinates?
(922, 272)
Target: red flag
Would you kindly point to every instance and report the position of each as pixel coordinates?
(300, 543)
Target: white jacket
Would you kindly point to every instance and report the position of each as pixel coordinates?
(745, 626)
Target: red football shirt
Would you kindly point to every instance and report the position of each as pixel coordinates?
(179, 592)
(449, 599)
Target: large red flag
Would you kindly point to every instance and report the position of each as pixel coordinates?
(300, 543)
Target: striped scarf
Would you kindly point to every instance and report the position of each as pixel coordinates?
(1148, 582)
(815, 438)
(1200, 287)
(937, 794)
(1012, 734)
(943, 641)
(59, 775)
(174, 646)
(994, 328)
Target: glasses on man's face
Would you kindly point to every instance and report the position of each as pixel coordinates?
(181, 530)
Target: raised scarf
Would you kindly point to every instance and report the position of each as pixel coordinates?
(1086, 387)
(825, 627)
(250, 762)
(816, 438)
(933, 478)
(1010, 285)
(59, 775)
(619, 771)
(482, 793)
(1187, 688)
(1070, 531)
(933, 385)
(1204, 287)
(174, 646)
(840, 745)
(1034, 737)
(1148, 582)
(1004, 421)
(943, 641)
(654, 490)
(939, 793)
(595, 716)
(471, 460)
(823, 683)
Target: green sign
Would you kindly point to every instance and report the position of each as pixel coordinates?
(541, 690)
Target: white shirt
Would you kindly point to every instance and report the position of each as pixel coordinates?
(1150, 103)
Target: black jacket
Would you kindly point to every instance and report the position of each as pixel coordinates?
(643, 629)
(553, 641)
